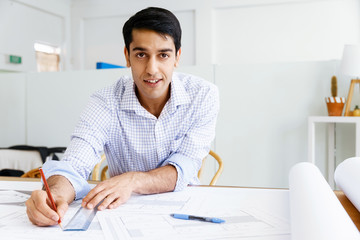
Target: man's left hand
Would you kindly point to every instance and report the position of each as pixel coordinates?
(117, 190)
(113, 192)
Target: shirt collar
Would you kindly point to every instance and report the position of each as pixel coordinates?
(129, 101)
(178, 95)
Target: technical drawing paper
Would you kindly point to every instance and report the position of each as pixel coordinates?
(14, 223)
(148, 217)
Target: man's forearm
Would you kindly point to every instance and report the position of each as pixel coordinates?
(159, 180)
(60, 186)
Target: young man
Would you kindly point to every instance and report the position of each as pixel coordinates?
(155, 128)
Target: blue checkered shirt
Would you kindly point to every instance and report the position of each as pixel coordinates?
(135, 140)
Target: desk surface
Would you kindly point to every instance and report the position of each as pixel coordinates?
(348, 206)
(248, 212)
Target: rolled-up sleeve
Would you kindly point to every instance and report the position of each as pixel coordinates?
(64, 169)
(186, 168)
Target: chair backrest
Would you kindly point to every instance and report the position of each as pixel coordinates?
(96, 171)
(98, 175)
(218, 171)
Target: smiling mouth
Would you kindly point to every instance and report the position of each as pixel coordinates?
(152, 80)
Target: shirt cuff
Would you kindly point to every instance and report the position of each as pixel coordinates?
(186, 170)
(64, 169)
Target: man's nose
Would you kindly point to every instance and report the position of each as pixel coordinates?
(152, 66)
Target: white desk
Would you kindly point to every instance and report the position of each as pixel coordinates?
(270, 206)
(331, 121)
(249, 214)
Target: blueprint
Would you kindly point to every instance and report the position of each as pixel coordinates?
(148, 217)
(249, 213)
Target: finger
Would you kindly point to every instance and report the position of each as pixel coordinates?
(42, 205)
(93, 192)
(97, 198)
(119, 201)
(28, 211)
(109, 199)
(44, 212)
(37, 217)
(62, 207)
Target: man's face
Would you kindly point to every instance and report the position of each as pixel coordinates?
(152, 59)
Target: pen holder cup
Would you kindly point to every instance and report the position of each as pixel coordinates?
(335, 105)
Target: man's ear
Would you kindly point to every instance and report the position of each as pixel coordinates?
(177, 57)
(127, 57)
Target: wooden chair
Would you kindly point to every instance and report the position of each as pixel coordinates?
(98, 175)
(219, 169)
(96, 171)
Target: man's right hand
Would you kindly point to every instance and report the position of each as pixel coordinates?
(38, 206)
(40, 212)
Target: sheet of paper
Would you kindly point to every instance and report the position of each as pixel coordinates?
(14, 223)
(20, 185)
(347, 178)
(11, 197)
(316, 213)
(246, 216)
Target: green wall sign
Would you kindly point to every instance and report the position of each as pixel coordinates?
(15, 59)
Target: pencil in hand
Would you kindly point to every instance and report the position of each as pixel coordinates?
(49, 194)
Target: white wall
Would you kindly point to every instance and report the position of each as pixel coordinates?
(24, 22)
(262, 125)
(12, 109)
(284, 31)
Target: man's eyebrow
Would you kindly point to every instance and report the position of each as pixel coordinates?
(138, 49)
(144, 49)
(166, 50)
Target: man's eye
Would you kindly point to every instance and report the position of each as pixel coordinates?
(140, 55)
(164, 55)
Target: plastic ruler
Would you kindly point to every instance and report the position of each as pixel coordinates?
(81, 220)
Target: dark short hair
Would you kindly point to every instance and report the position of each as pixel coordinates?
(157, 19)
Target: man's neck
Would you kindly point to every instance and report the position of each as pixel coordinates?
(154, 106)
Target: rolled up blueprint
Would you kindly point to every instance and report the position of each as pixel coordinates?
(347, 178)
(315, 211)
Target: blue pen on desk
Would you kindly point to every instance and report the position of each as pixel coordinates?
(191, 217)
